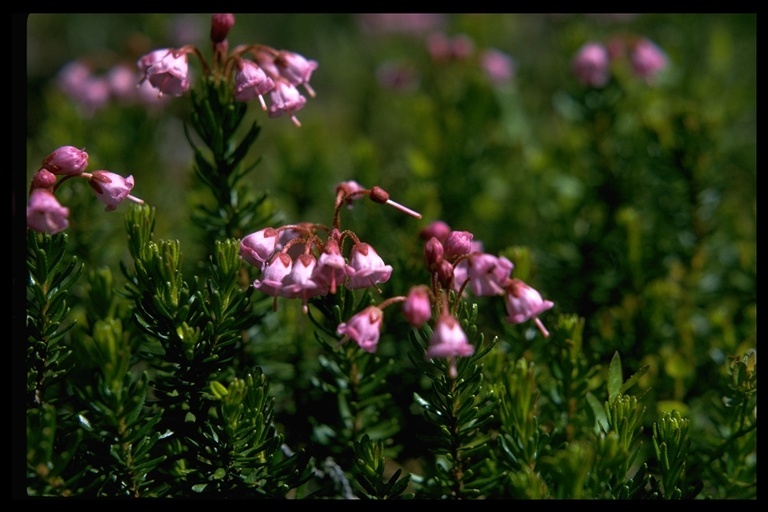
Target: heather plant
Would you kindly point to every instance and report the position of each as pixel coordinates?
(482, 299)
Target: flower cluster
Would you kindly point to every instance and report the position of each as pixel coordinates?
(592, 63)
(306, 260)
(45, 213)
(254, 71)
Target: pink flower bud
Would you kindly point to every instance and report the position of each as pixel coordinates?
(66, 161)
(433, 253)
(221, 24)
(45, 214)
(417, 307)
(438, 229)
(457, 244)
(43, 179)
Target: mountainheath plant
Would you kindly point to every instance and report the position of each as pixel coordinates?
(462, 332)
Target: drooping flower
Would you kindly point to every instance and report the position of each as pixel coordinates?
(66, 161)
(525, 303)
(112, 189)
(366, 267)
(258, 247)
(331, 269)
(591, 65)
(364, 328)
(285, 98)
(45, 214)
(167, 70)
(299, 283)
(296, 69)
(449, 340)
(252, 82)
(417, 307)
(488, 274)
(271, 281)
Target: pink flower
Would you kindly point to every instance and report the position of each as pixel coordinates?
(257, 247)
(71, 78)
(122, 82)
(271, 281)
(647, 60)
(488, 274)
(448, 339)
(66, 161)
(331, 269)
(417, 307)
(285, 99)
(45, 214)
(299, 283)
(112, 189)
(434, 253)
(591, 65)
(366, 268)
(364, 328)
(252, 82)
(43, 179)
(296, 69)
(498, 66)
(524, 303)
(345, 189)
(167, 70)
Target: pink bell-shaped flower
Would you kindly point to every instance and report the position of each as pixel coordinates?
(525, 303)
(488, 274)
(285, 98)
(364, 328)
(112, 189)
(167, 70)
(417, 307)
(271, 281)
(366, 268)
(299, 283)
(296, 69)
(331, 269)
(252, 82)
(258, 247)
(45, 214)
(449, 340)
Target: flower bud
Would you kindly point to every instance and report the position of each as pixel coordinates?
(66, 161)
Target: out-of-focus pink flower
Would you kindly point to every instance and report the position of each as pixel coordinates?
(71, 78)
(45, 214)
(488, 274)
(111, 189)
(525, 303)
(167, 70)
(66, 161)
(295, 68)
(591, 65)
(252, 82)
(444, 48)
(364, 328)
(271, 281)
(366, 268)
(648, 60)
(438, 229)
(122, 82)
(498, 66)
(414, 23)
(417, 307)
(258, 247)
(345, 189)
(285, 99)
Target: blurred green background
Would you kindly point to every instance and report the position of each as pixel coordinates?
(636, 203)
